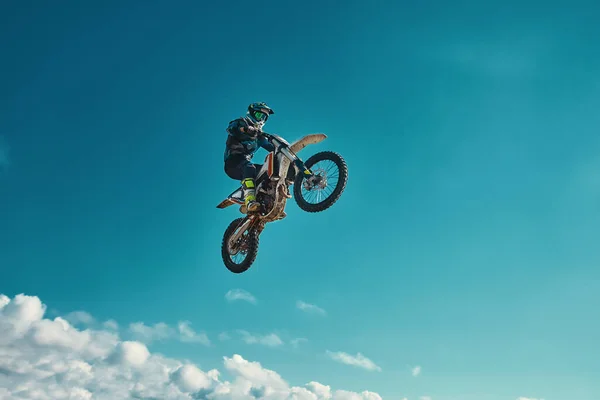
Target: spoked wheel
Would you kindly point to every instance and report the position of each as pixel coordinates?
(239, 257)
(332, 175)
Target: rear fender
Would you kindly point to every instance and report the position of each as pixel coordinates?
(237, 197)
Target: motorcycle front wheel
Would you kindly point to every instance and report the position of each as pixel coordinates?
(332, 172)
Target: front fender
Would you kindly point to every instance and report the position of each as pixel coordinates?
(313, 138)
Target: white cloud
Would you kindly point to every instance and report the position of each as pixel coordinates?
(161, 331)
(346, 395)
(111, 324)
(79, 317)
(240, 294)
(223, 336)
(296, 342)
(190, 379)
(58, 333)
(147, 334)
(4, 154)
(424, 398)
(310, 308)
(254, 372)
(528, 398)
(22, 311)
(51, 360)
(187, 334)
(358, 360)
(4, 300)
(320, 390)
(132, 353)
(416, 371)
(270, 340)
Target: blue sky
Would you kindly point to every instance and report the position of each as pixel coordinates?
(465, 242)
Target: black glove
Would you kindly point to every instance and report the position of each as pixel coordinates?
(254, 131)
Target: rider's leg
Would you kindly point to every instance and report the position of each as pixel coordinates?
(248, 184)
(233, 167)
(238, 167)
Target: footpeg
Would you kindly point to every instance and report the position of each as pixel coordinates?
(285, 192)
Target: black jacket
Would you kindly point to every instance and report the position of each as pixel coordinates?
(245, 138)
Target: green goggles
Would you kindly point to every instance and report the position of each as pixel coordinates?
(260, 116)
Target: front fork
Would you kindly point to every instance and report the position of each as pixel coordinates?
(312, 180)
(244, 226)
(297, 162)
(300, 166)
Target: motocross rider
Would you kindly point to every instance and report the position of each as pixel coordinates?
(244, 139)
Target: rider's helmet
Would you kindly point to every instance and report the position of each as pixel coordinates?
(259, 113)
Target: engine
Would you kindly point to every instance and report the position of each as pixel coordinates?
(266, 196)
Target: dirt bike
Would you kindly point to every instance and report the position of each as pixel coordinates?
(281, 168)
